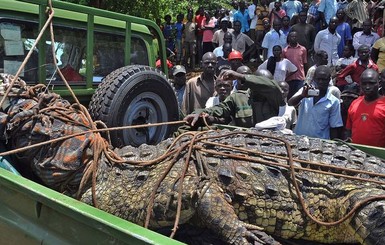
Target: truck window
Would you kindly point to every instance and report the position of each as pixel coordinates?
(15, 44)
(17, 39)
(70, 48)
(109, 53)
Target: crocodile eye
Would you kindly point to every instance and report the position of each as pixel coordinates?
(228, 198)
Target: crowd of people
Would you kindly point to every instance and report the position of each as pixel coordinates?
(320, 67)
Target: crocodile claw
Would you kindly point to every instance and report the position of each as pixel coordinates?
(258, 237)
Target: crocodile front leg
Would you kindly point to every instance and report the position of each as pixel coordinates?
(216, 213)
(369, 222)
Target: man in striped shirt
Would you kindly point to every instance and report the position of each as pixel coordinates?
(357, 13)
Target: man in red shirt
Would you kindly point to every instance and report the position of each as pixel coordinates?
(366, 115)
(297, 54)
(198, 21)
(356, 68)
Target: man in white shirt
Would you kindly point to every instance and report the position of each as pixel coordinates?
(227, 38)
(328, 40)
(218, 37)
(274, 37)
(254, 18)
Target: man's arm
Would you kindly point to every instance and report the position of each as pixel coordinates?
(265, 45)
(317, 42)
(335, 120)
(356, 40)
(296, 99)
(251, 10)
(214, 41)
(220, 114)
(344, 73)
(252, 46)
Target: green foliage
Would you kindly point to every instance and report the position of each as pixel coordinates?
(153, 9)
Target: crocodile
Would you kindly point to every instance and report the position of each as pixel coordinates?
(241, 185)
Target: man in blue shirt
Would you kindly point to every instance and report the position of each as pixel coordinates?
(243, 16)
(319, 115)
(327, 9)
(292, 7)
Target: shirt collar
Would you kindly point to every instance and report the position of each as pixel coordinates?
(371, 34)
(370, 63)
(297, 46)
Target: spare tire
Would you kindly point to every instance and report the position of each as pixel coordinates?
(134, 95)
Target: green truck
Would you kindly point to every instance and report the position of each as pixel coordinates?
(109, 61)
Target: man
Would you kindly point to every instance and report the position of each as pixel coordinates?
(327, 9)
(198, 20)
(218, 37)
(222, 61)
(366, 36)
(297, 54)
(245, 107)
(179, 73)
(222, 90)
(252, 10)
(287, 115)
(277, 12)
(262, 13)
(308, 34)
(235, 6)
(274, 37)
(357, 68)
(236, 60)
(292, 7)
(287, 112)
(357, 14)
(227, 38)
(329, 40)
(246, 71)
(366, 115)
(200, 88)
(343, 29)
(320, 58)
(319, 116)
(242, 15)
(242, 42)
(189, 38)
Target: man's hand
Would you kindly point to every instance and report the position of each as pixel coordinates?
(231, 75)
(198, 119)
(191, 119)
(305, 90)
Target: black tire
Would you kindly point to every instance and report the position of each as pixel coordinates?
(135, 95)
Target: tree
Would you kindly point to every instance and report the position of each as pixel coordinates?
(152, 9)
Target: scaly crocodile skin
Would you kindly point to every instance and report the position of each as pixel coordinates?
(229, 193)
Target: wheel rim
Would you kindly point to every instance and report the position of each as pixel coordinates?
(145, 108)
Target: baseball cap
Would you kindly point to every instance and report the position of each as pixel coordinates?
(178, 69)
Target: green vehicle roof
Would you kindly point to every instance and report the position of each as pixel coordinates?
(78, 13)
